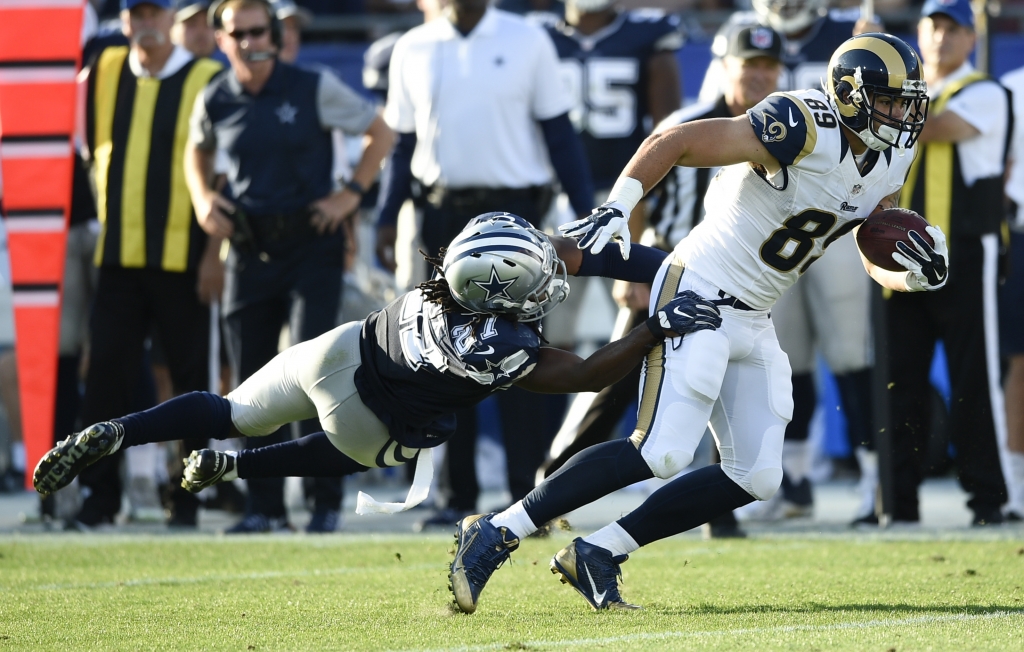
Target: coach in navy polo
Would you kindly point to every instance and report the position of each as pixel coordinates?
(273, 121)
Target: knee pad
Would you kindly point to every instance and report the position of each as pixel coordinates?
(765, 482)
(666, 463)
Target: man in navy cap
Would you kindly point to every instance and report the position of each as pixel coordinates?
(191, 29)
(956, 184)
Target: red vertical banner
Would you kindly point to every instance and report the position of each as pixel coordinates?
(37, 123)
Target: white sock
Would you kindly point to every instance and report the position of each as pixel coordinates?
(868, 485)
(613, 539)
(1015, 485)
(796, 459)
(18, 456)
(516, 520)
(232, 473)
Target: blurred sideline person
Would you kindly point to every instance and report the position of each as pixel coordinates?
(784, 164)
(150, 252)
(191, 29)
(280, 208)
(388, 387)
(1011, 305)
(957, 185)
(479, 80)
(827, 311)
(621, 71)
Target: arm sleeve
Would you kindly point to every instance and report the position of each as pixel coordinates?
(200, 126)
(569, 161)
(342, 108)
(785, 127)
(396, 180)
(641, 267)
(981, 105)
(399, 112)
(550, 95)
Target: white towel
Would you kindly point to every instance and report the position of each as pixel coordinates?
(365, 504)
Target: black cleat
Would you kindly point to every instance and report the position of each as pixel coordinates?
(593, 572)
(480, 550)
(67, 459)
(204, 468)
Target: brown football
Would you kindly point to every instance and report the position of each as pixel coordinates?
(881, 231)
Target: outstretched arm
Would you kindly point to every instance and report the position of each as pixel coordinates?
(640, 268)
(562, 372)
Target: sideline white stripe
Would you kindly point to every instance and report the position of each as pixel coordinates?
(234, 577)
(41, 149)
(35, 298)
(659, 636)
(35, 224)
(40, 4)
(989, 280)
(37, 75)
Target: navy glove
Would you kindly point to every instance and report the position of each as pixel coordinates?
(687, 312)
(607, 223)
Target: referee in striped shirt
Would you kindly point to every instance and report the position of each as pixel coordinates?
(156, 272)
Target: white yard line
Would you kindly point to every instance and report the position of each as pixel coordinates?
(661, 636)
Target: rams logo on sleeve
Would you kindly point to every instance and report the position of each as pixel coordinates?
(785, 126)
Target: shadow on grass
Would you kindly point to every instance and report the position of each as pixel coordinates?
(892, 610)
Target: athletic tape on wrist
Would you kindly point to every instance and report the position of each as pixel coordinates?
(628, 192)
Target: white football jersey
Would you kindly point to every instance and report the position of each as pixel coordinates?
(762, 232)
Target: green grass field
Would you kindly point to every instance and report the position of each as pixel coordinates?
(352, 592)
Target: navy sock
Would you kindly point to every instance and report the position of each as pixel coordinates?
(311, 456)
(197, 415)
(588, 475)
(683, 504)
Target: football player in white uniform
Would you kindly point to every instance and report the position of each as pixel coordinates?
(799, 171)
(826, 312)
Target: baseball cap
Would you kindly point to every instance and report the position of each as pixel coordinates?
(287, 8)
(185, 9)
(131, 4)
(754, 41)
(958, 10)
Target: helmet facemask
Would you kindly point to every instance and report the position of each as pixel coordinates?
(885, 117)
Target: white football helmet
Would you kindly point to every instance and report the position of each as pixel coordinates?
(499, 266)
(789, 16)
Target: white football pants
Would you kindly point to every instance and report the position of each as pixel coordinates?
(314, 380)
(736, 377)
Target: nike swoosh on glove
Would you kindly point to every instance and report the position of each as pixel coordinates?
(687, 312)
(607, 223)
(927, 267)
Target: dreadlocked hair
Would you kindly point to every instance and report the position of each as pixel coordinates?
(436, 289)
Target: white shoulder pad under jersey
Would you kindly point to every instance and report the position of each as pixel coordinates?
(761, 232)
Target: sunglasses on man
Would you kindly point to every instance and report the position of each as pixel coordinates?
(252, 32)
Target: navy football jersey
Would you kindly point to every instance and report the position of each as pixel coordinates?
(420, 365)
(806, 59)
(606, 73)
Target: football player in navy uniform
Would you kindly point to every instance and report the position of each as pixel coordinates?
(827, 311)
(621, 69)
(788, 167)
(389, 386)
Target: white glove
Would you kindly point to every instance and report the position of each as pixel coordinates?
(608, 222)
(927, 266)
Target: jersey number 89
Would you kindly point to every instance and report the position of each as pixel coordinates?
(790, 244)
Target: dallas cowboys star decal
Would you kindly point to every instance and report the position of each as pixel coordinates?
(495, 286)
